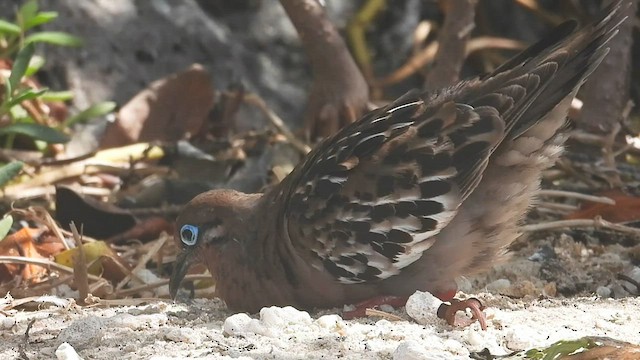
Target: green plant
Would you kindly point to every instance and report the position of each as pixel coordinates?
(13, 35)
(17, 41)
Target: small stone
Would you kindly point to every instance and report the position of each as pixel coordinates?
(7, 322)
(329, 321)
(67, 352)
(423, 308)
(518, 340)
(278, 317)
(236, 324)
(410, 350)
(83, 333)
(185, 335)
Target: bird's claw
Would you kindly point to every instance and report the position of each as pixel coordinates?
(448, 312)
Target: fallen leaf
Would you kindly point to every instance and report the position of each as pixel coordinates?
(102, 260)
(30, 243)
(626, 208)
(167, 110)
(99, 219)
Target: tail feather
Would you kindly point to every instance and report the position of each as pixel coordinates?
(561, 61)
(578, 56)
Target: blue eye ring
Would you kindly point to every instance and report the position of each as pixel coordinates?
(189, 234)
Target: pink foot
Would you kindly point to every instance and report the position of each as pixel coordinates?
(448, 312)
(361, 307)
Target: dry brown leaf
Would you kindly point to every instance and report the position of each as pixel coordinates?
(29, 243)
(608, 349)
(626, 208)
(167, 110)
(100, 258)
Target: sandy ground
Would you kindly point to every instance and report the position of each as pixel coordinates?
(206, 330)
(543, 294)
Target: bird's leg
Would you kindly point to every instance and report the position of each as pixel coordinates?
(448, 312)
(361, 307)
(445, 311)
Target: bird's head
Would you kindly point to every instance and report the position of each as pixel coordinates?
(208, 223)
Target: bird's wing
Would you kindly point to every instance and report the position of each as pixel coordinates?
(367, 202)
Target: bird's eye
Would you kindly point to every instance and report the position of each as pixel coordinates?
(189, 235)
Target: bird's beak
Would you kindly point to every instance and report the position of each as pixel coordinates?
(180, 268)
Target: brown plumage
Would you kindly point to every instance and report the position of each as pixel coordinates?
(411, 196)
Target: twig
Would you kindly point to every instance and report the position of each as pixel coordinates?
(122, 302)
(25, 340)
(577, 195)
(382, 314)
(452, 40)
(534, 7)
(52, 175)
(41, 262)
(80, 273)
(596, 223)
(631, 281)
(557, 206)
(144, 260)
(277, 122)
(50, 190)
(426, 56)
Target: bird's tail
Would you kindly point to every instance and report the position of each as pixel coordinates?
(571, 55)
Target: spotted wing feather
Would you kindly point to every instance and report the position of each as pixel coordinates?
(368, 202)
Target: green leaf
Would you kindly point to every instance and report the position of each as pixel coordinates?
(93, 111)
(5, 225)
(35, 64)
(26, 94)
(36, 132)
(20, 65)
(55, 38)
(9, 28)
(57, 96)
(560, 348)
(27, 12)
(9, 171)
(39, 19)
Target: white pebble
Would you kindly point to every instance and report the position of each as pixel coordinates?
(236, 324)
(67, 352)
(185, 335)
(423, 307)
(282, 317)
(474, 338)
(410, 350)
(7, 322)
(257, 327)
(518, 339)
(329, 321)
